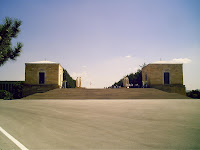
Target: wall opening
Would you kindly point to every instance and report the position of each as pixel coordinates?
(166, 78)
(41, 77)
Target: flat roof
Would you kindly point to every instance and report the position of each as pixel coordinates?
(166, 62)
(42, 62)
(163, 63)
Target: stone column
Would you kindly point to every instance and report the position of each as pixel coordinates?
(127, 82)
(80, 82)
(124, 82)
(77, 83)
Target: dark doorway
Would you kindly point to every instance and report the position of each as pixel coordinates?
(41, 77)
(166, 78)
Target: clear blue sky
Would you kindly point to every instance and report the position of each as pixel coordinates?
(103, 40)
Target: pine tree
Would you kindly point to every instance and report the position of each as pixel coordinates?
(9, 30)
(134, 78)
(71, 83)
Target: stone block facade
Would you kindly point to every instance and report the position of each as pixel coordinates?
(42, 76)
(166, 77)
(53, 74)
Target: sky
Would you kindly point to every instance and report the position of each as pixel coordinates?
(104, 40)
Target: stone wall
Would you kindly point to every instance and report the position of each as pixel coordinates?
(60, 77)
(32, 89)
(53, 77)
(51, 73)
(180, 89)
(153, 76)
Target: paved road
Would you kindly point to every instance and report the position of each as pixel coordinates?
(101, 124)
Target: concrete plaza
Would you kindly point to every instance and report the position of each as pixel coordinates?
(101, 124)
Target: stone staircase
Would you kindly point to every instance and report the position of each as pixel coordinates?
(32, 89)
(122, 93)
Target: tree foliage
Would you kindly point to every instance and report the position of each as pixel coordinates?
(9, 30)
(5, 95)
(71, 83)
(134, 78)
(194, 94)
(18, 89)
(119, 83)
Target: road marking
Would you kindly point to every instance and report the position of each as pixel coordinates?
(22, 147)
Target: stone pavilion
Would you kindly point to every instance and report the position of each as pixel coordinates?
(41, 76)
(164, 76)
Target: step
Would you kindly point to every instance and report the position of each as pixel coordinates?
(132, 93)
